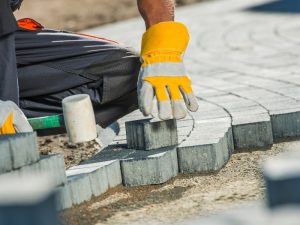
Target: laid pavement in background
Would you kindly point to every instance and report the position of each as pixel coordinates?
(244, 66)
(243, 59)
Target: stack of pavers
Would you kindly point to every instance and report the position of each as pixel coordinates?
(20, 158)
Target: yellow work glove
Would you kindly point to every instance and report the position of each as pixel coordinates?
(12, 119)
(163, 73)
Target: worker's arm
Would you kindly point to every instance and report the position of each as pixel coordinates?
(156, 11)
(163, 73)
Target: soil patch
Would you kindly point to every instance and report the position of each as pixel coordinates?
(73, 153)
(120, 199)
(240, 181)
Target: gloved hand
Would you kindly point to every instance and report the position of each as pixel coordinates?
(12, 119)
(163, 73)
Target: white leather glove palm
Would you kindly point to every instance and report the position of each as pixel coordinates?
(12, 119)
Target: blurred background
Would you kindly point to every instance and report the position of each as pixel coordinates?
(76, 15)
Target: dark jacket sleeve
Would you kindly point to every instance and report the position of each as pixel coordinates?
(8, 22)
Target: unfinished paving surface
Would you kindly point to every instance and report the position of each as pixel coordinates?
(244, 66)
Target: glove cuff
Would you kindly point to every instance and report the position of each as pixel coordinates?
(163, 40)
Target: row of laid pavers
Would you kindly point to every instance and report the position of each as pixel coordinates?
(206, 145)
(284, 111)
(34, 203)
(207, 148)
(244, 101)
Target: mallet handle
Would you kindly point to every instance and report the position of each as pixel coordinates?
(47, 122)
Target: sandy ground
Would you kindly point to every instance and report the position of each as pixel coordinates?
(182, 198)
(76, 15)
(73, 153)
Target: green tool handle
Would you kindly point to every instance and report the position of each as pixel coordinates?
(47, 122)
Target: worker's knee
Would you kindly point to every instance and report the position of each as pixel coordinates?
(122, 79)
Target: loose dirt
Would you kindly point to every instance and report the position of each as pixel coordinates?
(240, 181)
(73, 153)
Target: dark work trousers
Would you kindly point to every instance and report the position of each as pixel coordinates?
(8, 70)
(55, 64)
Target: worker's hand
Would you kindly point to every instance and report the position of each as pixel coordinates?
(163, 73)
(12, 119)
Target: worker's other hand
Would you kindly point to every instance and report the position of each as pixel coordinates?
(163, 73)
(12, 119)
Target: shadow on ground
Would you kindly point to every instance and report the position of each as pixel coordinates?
(280, 6)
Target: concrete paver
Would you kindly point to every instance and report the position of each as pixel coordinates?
(22, 149)
(147, 134)
(97, 176)
(5, 159)
(27, 200)
(64, 198)
(80, 188)
(53, 166)
(149, 167)
(283, 180)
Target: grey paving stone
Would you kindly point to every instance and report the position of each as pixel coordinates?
(149, 167)
(97, 175)
(110, 158)
(204, 156)
(33, 169)
(23, 148)
(230, 142)
(251, 123)
(80, 188)
(113, 171)
(55, 166)
(280, 103)
(147, 135)
(27, 200)
(6, 157)
(286, 124)
(63, 197)
(282, 177)
(52, 165)
(252, 110)
(185, 123)
(252, 135)
(213, 114)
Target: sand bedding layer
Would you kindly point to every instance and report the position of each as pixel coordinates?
(183, 197)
